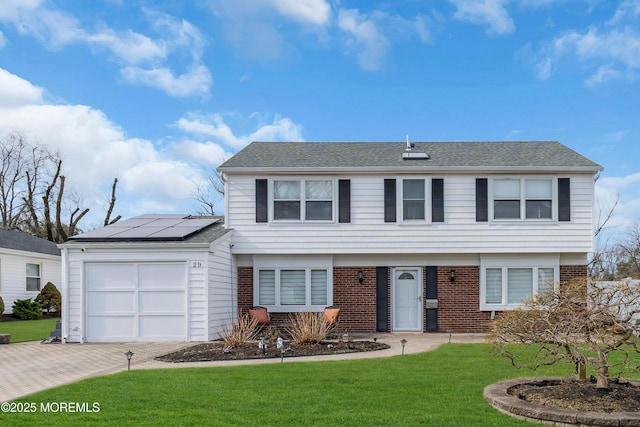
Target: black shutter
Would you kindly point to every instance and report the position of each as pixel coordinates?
(261, 201)
(564, 199)
(382, 299)
(389, 200)
(482, 200)
(344, 200)
(437, 200)
(432, 297)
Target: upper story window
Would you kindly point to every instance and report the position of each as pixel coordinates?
(413, 199)
(33, 277)
(303, 200)
(522, 199)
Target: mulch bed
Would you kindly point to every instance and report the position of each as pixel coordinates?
(215, 350)
(580, 395)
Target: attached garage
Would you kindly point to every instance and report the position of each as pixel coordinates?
(136, 301)
(146, 281)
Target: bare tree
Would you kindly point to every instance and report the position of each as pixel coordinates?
(206, 194)
(33, 197)
(581, 322)
(112, 203)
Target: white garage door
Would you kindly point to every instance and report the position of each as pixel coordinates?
(136, 302)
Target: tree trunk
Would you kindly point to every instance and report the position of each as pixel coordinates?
(603, 371)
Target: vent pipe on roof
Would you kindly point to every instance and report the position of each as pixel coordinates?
(410, 144)
(410, 154)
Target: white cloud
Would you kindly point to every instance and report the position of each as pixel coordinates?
(15, 92)
(195, 81)
(623, 190)
(607, 52)
(487, 12)
(143, 59)
(307, 11)
(364, 37)
(214, 126)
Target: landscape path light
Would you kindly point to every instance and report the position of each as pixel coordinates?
(129, 355)
(403, 341)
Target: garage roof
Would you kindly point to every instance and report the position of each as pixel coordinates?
(157, 227)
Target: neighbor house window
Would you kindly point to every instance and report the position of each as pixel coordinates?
(413, 199)
(507, 286)
(293, 286)
(522, 199)
(303, 200)
(33, 277)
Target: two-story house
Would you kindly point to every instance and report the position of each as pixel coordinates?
(431, 236)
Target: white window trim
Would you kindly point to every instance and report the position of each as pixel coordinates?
(523, 199)
(533, 262)
(39, 264)
(427, 201)
(303, 263)
(302, 180)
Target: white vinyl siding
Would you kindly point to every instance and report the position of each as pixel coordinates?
(368, 233)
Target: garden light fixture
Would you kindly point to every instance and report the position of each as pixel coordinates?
(129, 355)
(403, 341)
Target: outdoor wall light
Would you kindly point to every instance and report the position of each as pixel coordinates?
(452, 276)
(129, 355)
(360, 276)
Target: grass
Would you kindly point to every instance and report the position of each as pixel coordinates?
(28, 330)
(439, 388)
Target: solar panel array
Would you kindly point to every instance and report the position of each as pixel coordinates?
(150, 227)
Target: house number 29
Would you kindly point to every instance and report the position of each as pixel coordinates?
(196, 264)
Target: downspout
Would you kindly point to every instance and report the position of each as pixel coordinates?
(65, 298)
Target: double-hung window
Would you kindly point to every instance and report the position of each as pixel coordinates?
(522, 199)
(504, 285)
(303, 200)
(413, 199)
(293, 288)
(33, 277)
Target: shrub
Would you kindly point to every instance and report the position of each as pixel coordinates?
(25, 309)
(308, 328)
(239, 331)
(50, 298)
(1, 306)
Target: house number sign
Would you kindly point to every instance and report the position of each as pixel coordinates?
(197, 264)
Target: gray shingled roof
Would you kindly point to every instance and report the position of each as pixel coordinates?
(19, 241)
(539, 155)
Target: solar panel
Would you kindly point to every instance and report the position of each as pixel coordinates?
(149, 227)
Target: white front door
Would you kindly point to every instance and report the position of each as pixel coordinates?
(407, 299)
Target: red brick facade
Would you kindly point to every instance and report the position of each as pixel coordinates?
(458, 301)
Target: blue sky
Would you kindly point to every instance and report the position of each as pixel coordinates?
(159, 93)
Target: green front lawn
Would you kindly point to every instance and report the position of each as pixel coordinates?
(28, 330)
(439, 388)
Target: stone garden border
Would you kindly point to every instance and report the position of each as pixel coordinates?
(497, 395)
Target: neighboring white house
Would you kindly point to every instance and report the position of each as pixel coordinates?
(431, 236)
(27, 263)
(149, 278)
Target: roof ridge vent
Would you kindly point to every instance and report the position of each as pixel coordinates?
(410, 154)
